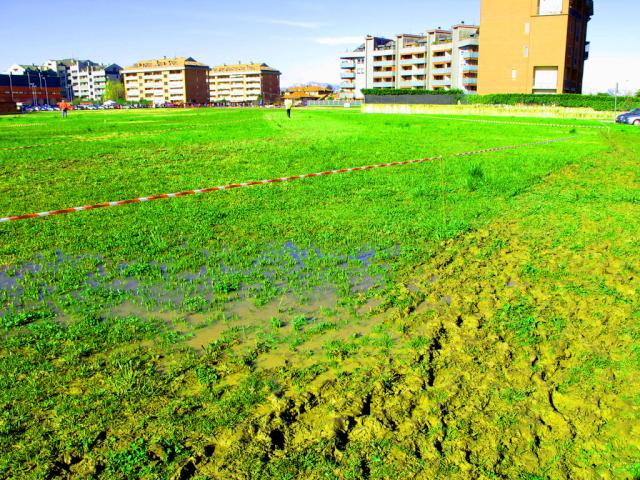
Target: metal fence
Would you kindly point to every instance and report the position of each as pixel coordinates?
(412, 99)
(334, 103)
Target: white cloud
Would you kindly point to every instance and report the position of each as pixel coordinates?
(338, 40)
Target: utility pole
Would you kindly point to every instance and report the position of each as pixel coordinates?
(616, 98)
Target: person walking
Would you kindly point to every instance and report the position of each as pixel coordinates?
(288, 104)
(64, 108)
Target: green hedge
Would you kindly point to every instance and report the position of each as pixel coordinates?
(399, 91)
(596, 102)
(600, 102)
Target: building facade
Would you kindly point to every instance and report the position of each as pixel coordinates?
(533, 46)
(244, 83)
(437, 60)
(78, 78)
(30, 89)
(169, 80)
(308, 93)
(88, 80)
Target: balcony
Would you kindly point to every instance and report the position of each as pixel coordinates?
(384, 84)
(384, 74)
(441, 59)
(441, 83)
(348, 86)
(347, 64)
(441, 71)
(413, 49)
(470, 68)
(384, 63)
(469, 42)
(410, 73)
(469, 54)
(414, 83)
(347, 75)
(441, 47)
(470, 81)
(413, 61)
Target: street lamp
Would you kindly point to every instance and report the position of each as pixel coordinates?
(34, 98)
(11, 87)
(46, 90)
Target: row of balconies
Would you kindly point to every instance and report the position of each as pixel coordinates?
(417, 71)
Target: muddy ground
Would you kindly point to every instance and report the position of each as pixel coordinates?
(527, 363)
(513, 352)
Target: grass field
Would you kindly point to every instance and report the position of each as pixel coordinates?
(471, 317)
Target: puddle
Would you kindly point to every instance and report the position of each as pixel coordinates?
(283, 269)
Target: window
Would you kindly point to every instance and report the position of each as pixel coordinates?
(545, 78)
(550, 7)
(526, 51)
(514, 74)
(527, 28)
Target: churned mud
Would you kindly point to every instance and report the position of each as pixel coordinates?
(512, 353)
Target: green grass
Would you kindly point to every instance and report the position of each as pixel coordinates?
(97, 308)
(239, 237)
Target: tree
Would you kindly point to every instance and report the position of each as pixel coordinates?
(638, 94)
(114, 91)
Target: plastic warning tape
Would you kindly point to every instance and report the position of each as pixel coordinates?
(234, 186)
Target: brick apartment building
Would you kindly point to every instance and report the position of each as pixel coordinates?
(168, 80)
(30, 89)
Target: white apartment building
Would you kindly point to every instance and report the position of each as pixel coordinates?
(88, 79)
(437, 60)
(78, 78)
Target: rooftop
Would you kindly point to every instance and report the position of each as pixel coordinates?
(167, 62)
(244, 67)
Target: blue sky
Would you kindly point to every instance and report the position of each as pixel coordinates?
(302, 38)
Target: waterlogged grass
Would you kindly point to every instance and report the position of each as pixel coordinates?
(353, 231)
(369, 325)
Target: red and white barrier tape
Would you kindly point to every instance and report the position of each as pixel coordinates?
(15, 218)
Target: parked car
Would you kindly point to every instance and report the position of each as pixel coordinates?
(630, 118)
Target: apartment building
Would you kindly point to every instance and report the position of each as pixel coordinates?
(78, 78)
(244, 83)
(32, 88)
(304, 94)
(436, 60)
(533, 46)
(88, 80)
(168, 80)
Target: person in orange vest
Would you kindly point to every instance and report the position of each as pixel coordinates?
(64, 108)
